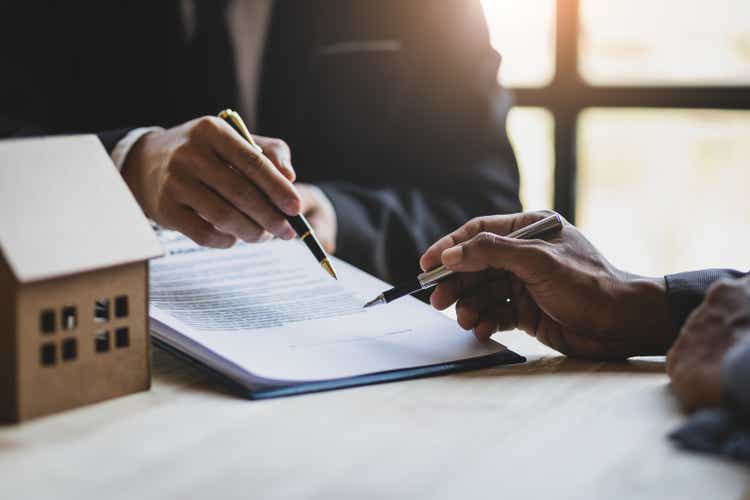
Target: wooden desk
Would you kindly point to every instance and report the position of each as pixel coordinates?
(553, 428)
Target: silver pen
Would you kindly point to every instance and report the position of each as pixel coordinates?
(428, 279)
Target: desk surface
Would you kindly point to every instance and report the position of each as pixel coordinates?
(552, 428)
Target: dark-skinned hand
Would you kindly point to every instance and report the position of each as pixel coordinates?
(560, 290)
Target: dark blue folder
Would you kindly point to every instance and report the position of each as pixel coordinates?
(504, 357)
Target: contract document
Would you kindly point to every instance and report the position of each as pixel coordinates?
(267, 316)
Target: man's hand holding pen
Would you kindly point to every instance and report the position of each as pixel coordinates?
(560, 290)
(203, 179)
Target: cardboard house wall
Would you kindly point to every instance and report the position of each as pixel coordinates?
(74, 250)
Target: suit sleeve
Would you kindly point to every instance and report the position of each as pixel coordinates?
(685, 291)
(459, 163)
(736, 376)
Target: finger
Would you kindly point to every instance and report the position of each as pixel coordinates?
(214, 209)
(486, 327)
(230, 147)
(241, 193)
(506, 317)
(451, 289)
(498, 316)
(498, 224)
(184, 219)
(526, 259)
(462, 284)
(467, 315)
(280, 155)
(525, 309)
(486, 297)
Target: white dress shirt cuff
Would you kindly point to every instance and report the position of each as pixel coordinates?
(122, 148)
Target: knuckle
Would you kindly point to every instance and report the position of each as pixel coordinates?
(485, 240)
(543, 252)
(207, 124)
(477, 224)
(278, 144)
(545, 213)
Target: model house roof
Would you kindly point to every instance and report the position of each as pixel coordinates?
(65, 209)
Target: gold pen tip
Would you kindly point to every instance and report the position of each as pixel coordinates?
(326, 264)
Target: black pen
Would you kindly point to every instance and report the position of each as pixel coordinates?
(428, 279)
(298, 222)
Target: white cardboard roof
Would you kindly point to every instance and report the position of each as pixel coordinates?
(65, 209)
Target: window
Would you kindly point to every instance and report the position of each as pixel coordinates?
(669, 42)
(638, 120)
(524, 29)
(531, 131)
(672, 162)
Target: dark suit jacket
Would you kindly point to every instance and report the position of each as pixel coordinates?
(407, 143)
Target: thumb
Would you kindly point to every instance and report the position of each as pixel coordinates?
(523, 258)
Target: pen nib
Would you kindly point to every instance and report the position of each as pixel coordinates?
(326, 264)
(376, 301)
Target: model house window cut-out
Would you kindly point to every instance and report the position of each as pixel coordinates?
(47, 354)
(101, 341)
(69, 349)
(101, 310)
(69, 318)
(121, 306)
(47, 321)
(122, 337)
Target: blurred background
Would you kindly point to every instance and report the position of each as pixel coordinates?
(632, 118)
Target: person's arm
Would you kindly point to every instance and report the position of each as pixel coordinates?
(456, 162)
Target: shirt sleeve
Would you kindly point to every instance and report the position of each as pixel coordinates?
(122, 148)
(685, 291)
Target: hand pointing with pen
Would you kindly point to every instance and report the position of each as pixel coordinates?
(204, 180)
(560, 290)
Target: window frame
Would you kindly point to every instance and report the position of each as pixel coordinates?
(568, 94)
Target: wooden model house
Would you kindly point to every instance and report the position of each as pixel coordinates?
(74, 250)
